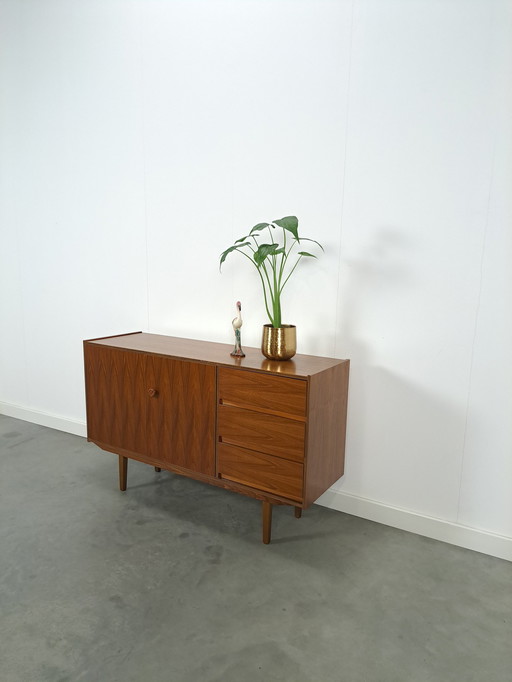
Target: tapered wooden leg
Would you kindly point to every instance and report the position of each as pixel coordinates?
(298, 512)
(158, 470)
(267, 521)
(123, 471)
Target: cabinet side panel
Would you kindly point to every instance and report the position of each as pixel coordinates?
(181, 417)
(116, 409)
(327, 422)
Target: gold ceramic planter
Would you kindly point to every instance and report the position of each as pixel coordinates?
(279, 343)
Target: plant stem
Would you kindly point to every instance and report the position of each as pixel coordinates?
(290, 273)
(262, 284)
(284, 258)
(276, 322)
(276, 301)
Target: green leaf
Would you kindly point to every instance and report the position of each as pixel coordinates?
(305, 253)
(289, 223)
(259, 227)
(242, 239)
(306, 239)
(225, 253)
(265, 250)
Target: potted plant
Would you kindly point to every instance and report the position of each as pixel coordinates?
(275, 259)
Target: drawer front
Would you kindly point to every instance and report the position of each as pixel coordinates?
(262, 392)
(263, 432)
(257, 470)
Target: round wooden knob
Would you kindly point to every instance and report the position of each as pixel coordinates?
(152, 392)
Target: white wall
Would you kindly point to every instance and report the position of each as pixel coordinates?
(138, 139)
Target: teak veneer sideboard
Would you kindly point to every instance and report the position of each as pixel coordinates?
(271, 430)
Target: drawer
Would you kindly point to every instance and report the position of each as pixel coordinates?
(257, 470)
(262, 392)
(263, 432)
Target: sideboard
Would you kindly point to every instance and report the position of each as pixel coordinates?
(271, 430)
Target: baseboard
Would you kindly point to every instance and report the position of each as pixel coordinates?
(455, 534)
(52, 421)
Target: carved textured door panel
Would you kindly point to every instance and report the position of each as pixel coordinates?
(181, 414)
(116, 399)
(157, 407)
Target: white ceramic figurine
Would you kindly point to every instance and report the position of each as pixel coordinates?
(237, 322)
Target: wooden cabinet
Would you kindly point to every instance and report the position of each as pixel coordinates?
(270, 430)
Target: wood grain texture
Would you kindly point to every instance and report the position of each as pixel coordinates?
(262, 432)
(255, 469)
(115, 402)
(327, 422)
(181, 416)
(268, 393)
(159, 408)
(217, 354)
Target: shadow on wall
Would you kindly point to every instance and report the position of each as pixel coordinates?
(374, 281)
(370, 287)
(404, 442)
(404, 446)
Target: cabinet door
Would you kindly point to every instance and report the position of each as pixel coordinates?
(116, 398)
(181, 413)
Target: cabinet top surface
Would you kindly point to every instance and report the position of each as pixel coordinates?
(299, 366)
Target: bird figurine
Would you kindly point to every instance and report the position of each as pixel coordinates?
(237, 322)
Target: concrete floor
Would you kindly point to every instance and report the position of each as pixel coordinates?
(170, 582)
